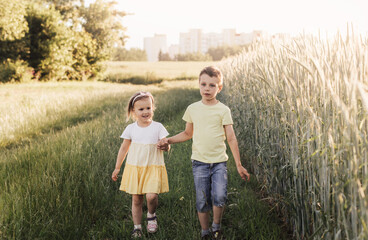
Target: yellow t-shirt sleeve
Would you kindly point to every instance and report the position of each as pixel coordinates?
(227, 119)
(187, 117)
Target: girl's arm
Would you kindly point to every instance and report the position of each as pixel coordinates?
(121, 156)
(233, 143)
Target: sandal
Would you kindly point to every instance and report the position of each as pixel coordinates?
(152, 225)
(218, 235)
(137, 233)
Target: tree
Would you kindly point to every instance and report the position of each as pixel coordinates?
(193, 57)
(59, 39)
(164, 57)
(220, 52)
(133, 54)
(70, 10)
(13, 25)
(103, 23)
(13, 28)
(49, 42)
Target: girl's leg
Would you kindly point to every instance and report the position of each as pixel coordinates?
(137, 203)
(152, 202)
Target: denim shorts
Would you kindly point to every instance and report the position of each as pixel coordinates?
(210, 181)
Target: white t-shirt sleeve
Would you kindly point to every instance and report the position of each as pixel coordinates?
(127, 134)
(162, 132)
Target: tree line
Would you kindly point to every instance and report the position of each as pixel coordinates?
(213, 54)
(57, 39)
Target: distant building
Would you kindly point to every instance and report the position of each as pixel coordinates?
(190, 42)
(173, 50)
(153, 46)
(195, 41)
(228, 37)
(211, 40)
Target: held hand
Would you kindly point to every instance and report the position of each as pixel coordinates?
(243, 173)
(115, 175)
(165, 148)
(163, 144)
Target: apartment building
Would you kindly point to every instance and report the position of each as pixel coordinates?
(191, 41)
(153, 46)
(195, 41)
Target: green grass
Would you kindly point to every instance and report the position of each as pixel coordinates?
(58, 185)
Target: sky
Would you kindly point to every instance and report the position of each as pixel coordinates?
(170, 17)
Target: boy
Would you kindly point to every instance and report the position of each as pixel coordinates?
(209, 122)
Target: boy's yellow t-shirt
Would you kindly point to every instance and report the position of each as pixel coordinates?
(208, 131)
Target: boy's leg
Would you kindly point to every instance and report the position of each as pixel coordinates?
(217, 214)
(204, 219)
(219, 193)
(202, 182)
(137, 203)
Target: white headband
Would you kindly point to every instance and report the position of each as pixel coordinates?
(140, 94)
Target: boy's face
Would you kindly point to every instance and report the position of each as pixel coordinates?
(209, 87)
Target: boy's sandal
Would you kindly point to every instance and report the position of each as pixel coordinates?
(152, 225)
(207, 237)
(137, 233)
(218, 235)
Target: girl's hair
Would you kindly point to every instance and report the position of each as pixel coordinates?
(212, 71)
(136, 97)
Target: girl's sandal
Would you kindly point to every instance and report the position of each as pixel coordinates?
(137, 233)
(152, 225)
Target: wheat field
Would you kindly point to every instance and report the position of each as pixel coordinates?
(301, 111)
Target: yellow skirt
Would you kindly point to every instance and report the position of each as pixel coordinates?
(144, 171)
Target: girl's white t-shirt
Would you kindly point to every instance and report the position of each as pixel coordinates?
(145, 135)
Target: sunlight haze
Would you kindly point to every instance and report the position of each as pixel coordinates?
(285, 16)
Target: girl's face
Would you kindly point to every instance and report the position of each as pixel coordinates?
(143, 111)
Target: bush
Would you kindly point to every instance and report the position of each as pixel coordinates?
(149, 78)
(15, 71)
(133, 54)
(193, 57)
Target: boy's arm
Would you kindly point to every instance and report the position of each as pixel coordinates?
(121, 156)
(183, 136)
(233, 143)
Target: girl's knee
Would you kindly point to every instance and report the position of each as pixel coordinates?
(151, 197)
(137, 200)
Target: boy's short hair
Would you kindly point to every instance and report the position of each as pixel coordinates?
(212, 71)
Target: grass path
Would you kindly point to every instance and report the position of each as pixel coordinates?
(58, 186)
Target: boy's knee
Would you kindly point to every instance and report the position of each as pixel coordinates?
(220, 196)
(220, 201)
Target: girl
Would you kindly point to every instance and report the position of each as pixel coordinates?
(145, 171)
